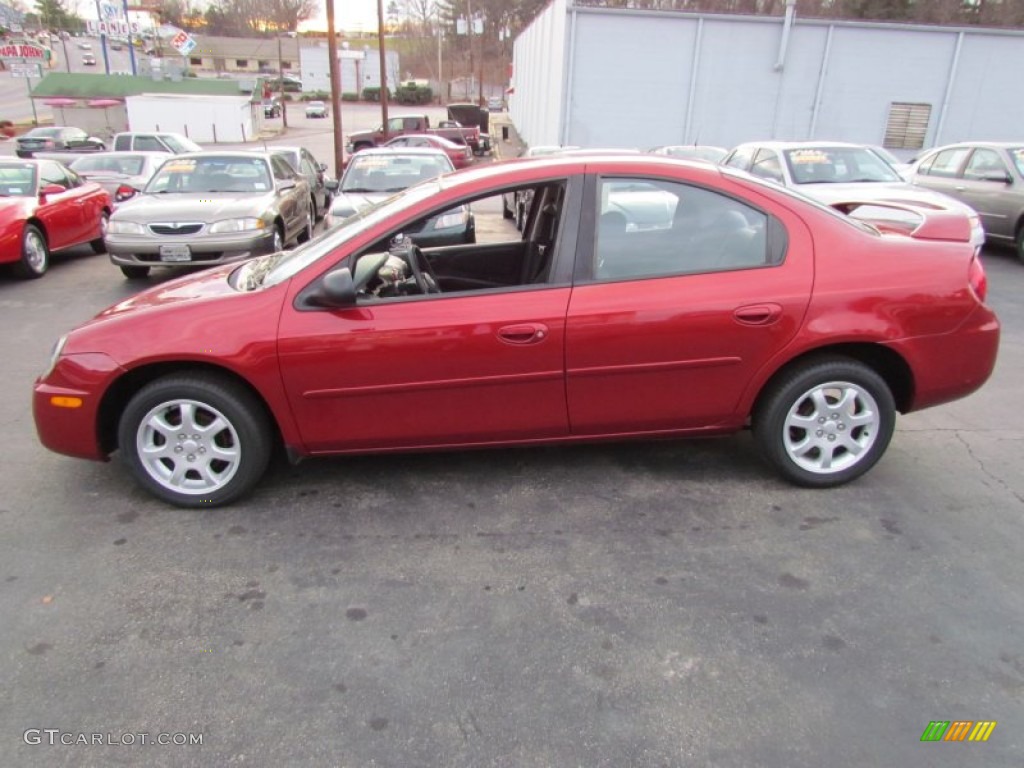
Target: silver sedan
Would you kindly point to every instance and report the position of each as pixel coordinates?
(208, 208)
(122, 174)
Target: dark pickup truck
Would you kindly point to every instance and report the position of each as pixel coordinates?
(406, 124)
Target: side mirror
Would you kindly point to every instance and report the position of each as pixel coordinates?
(337, 290)
(332, 185)
(50, 189)
(125, 192)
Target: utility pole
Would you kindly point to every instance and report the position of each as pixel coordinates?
(383, 68)
(335, 75)
(280, 84)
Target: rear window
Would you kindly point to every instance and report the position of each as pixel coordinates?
(126, 165)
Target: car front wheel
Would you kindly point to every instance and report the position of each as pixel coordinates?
(98, 246)
(195, 440)
(35, 253)
(825, 422)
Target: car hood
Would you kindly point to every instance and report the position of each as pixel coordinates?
(207, 284)
(356, 201)
(206, 207)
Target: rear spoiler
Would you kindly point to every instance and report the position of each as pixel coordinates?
(920, 220)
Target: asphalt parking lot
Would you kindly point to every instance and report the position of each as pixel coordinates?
(648, 604)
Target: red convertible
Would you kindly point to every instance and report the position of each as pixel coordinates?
(645, 298)
(45, 207)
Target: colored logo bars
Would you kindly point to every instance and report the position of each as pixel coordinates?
(958, 730)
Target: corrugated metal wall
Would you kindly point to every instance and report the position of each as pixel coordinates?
(641, 79)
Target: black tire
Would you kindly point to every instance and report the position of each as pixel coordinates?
(35, 254)
(98, 246)
(801, 430)
(306, 234)
(1019, 243)
(242, 443)
(135, 273)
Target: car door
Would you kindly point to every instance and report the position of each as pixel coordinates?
(458, 368)
(292, 201)
(987, 185)
(667, 326)
(63, 213)
(942, 171)
(309, 170)
(89, 197)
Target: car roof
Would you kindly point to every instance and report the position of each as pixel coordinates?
(241, 154)
(431, 151)
(987, 144)
(783, 145)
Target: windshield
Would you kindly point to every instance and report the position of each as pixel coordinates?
(180, 144)
(212, 173)
(17, 180)
(287, 264)
(387, 174)
(837, 165)
(127, 165)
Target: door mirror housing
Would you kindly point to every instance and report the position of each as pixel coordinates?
(337, 290)
(1001, 177)
(50, 189)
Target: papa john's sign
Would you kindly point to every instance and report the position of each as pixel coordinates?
(28, 51)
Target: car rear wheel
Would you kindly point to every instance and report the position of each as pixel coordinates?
(35, 254)
(135, 273)
(278, 242)
(825, 422)
(98, 246)
(1020, 243)
(195, 440)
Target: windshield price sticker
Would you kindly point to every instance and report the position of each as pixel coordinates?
(809, 156)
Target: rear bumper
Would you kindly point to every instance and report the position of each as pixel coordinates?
(952, 365)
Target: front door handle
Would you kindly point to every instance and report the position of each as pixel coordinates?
(525, 333)
(758, 314)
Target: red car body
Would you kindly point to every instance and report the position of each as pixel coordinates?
(572, 358)
(64, 216)
(461, 155)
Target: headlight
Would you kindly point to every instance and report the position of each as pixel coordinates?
(55, 355)
(115, 227)
(236, 225)
(452, 220)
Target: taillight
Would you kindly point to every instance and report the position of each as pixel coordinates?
(124, 192)
(976, 278)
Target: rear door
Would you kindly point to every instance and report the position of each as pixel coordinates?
(987, 186)
(667, 325)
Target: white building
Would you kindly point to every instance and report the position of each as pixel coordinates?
(359, 69)
(628, 78)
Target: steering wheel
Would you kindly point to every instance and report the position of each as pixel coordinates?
(422, 272)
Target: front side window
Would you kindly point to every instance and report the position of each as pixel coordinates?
(649, 228)
(1017, 155)
(148, 144)
(52, 173)
(282, 168)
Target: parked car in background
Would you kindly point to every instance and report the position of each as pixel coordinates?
(286, 83)
(705, 152)
(374, 175)
(89, 60)
(460, 154)
(154, 141)
(835, 173)
(413, 124)
(317, 109)
(467, 116)
(210, 208)
(122, 174)
(56, 139)
(986, 175)
(84, 46)
(272, 108)
(44, 207)
(901, 167)
(315, 174)
(763, 310)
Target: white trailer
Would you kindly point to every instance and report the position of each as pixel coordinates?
(204, 119)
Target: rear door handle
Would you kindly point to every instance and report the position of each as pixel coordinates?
(524, 333)
(758, 314)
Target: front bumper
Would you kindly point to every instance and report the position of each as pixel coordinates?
(144, 250)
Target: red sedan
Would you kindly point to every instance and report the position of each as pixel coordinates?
(645, 298)
(45, 207)
(461, 155)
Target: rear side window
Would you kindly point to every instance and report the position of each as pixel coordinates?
(946, 163)
(149, 144)
(984, 164)
(650, 228)
(122, 143)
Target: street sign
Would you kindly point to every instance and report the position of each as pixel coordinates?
(23, 51)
